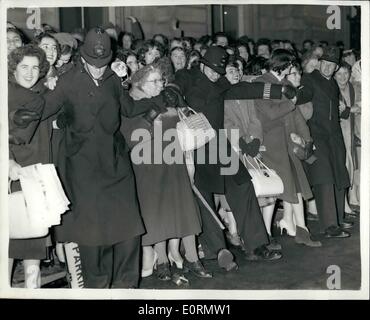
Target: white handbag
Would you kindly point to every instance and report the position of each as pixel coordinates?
(21, 224)
(39, 205)
(193, 131)
(266, 181)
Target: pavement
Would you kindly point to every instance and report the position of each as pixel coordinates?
(300, 268)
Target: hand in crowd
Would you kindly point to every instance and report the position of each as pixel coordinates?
(22, 118)
(132, 19)
(289, 92)
(342, 106)
(51, 82)
(251, 148)
(120, 68)
(151, 115)
(14, 170)
(356, 109)
(173, 97)
(63, 120)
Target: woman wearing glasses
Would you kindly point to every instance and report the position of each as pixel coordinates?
(167, 205)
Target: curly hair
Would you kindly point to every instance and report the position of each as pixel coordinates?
(140, 76)
(123, 54)
(29, 50)
(145, 47)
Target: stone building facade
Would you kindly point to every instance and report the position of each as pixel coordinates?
(293, 22)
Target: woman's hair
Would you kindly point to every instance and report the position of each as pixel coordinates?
(280, 60)
(37, 40)
(256, 65)
(125, 33)
(165, 39)
(345, 65)
(233, 61)
(307, 56)
(297, 65)
(178, 49)
(140, 76)
(123, 54)
(166, 68)
(242, 44)
(66, 49)
(191, 63)
(145, 47)
(29, 50)
(18, 32)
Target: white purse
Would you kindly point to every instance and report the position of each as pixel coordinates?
(21, 224)
(39, 205)
(266, 181)
(193, 131)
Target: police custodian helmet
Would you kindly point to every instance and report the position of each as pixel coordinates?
(96, 49)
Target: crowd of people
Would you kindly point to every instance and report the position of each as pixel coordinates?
(75, 100)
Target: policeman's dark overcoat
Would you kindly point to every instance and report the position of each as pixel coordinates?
(94, 160)
(330, 167)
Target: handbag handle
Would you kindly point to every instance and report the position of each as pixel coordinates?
(263, 165)
(182, 115)
(246, 159)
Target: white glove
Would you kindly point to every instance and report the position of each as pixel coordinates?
(14, 169)
(120, 68)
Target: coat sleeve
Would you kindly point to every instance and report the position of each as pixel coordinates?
(305, 92)
(274, 109)
(24, 135)
(131, 108)
(254, 90)
(301, 125)
(255, 126)
(137, 30)
(54, 101)
(183, 80)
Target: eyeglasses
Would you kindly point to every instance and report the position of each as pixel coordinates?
(156, 81)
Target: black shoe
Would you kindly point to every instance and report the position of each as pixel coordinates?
(262, 253)
(273, 245)
(197, 268)
(312, 217)
(226, 261)
(351, 215)
(336, 232)
(164, 272)
(346, 225)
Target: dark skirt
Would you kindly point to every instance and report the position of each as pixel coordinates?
(167, 203)
(28, 249)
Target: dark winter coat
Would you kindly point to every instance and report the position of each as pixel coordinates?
(279, 119)
(98, 175)
(33, 146)
(208, 97)
(329, 168)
